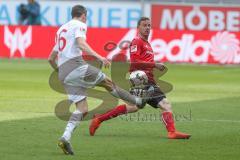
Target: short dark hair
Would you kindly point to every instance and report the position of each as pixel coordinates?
(78, 10)
(142, 19)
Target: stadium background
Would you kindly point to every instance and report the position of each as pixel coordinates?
(198, 39)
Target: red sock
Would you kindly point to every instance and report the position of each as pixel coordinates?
(168, 121)
(119, 110)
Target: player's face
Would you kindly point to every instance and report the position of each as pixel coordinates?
(84, 18)
(145, 27)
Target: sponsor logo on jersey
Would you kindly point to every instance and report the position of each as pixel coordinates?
(133, 48)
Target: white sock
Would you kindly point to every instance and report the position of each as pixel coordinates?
(126, 96)
(73, 122)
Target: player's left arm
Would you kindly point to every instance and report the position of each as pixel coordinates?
(52, 60)
(80, 35)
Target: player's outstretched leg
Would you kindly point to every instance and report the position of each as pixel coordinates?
(119, 110)
(95, 124)
(121, 93)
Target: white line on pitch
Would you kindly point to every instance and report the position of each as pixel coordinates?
(218, 120)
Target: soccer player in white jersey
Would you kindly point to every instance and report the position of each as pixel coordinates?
(76, 75)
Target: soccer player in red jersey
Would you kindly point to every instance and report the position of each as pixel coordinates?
(142, 58)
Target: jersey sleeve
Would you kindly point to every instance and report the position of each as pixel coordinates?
(81, 31)
(135, 48)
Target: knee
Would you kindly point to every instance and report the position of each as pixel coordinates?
(165, 105)
(82, 106)
(83, 109)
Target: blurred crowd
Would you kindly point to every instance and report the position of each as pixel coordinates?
(29, 13)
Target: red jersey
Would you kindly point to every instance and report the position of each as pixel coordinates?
(141, 53)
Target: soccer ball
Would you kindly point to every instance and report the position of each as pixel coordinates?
(138, 78)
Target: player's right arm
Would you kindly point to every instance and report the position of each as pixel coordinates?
(52, 59)
(80, 35)
(84, 46)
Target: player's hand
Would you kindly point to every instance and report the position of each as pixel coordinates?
(105, 62)
(160, 66)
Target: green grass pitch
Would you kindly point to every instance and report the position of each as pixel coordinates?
(206, 100)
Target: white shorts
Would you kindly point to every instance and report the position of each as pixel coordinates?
(81, 78)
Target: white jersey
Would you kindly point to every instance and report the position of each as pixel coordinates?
(66, 44)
